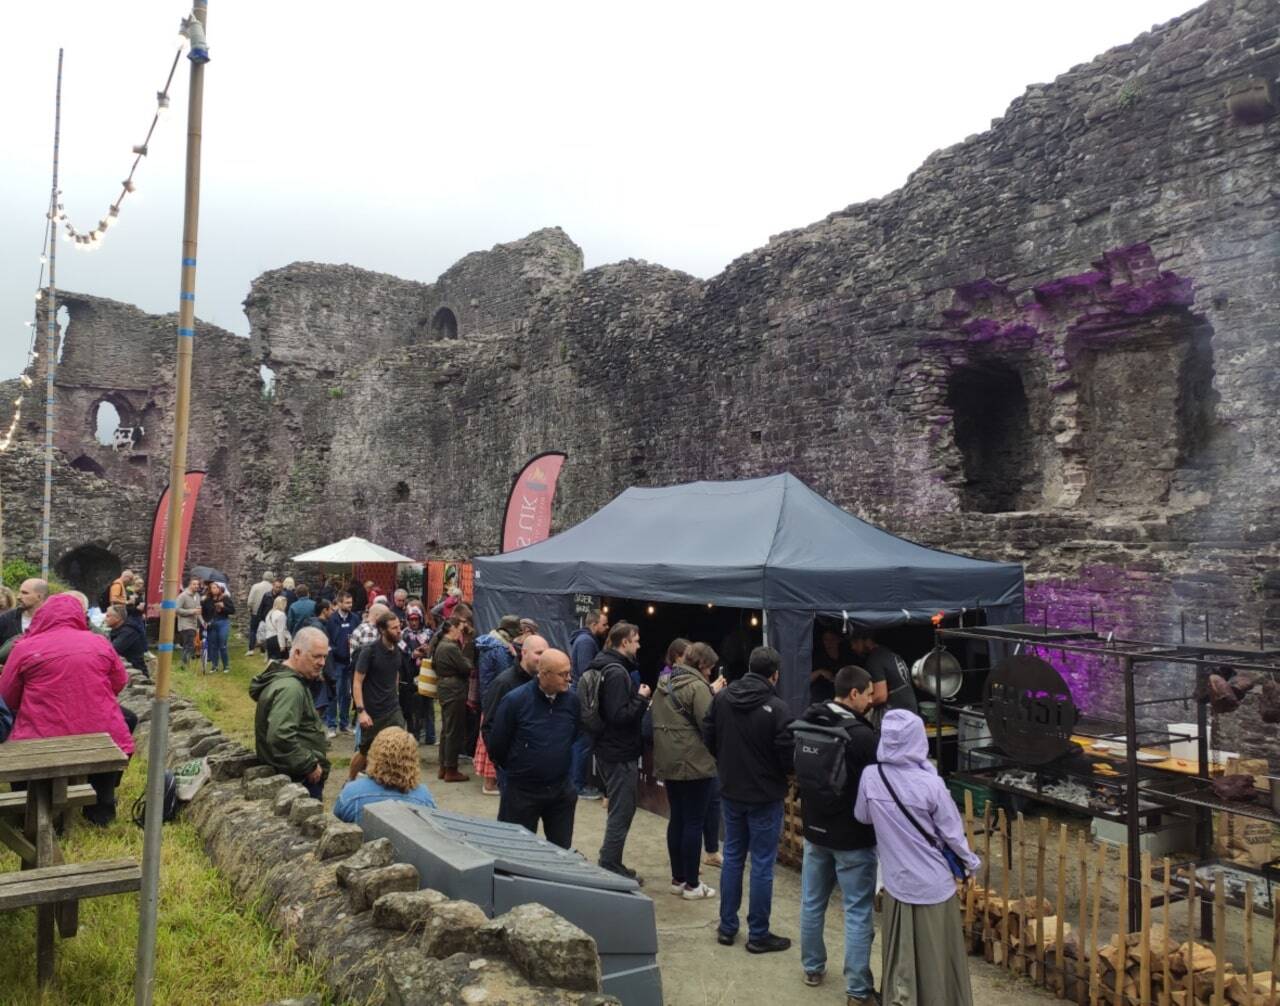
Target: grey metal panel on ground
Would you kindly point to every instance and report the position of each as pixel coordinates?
(619, 923)
(640, 985)
(445, 864)
(518, 851)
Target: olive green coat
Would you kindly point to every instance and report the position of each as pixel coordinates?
(679, 705)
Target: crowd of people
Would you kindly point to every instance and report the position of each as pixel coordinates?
(545, 725)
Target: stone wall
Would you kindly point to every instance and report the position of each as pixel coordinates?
(365, 920)
(1056, 344)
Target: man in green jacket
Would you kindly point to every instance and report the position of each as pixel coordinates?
(288, 732)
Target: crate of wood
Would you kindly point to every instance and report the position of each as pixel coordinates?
(791, 843)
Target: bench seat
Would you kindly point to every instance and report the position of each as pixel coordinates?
(78, 795)
(68, 881)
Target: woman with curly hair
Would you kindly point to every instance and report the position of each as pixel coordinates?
(393, 773)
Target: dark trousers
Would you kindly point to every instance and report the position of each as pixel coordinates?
(711, 826)
(689, 800)
(749, 829)
(452, 696)
(409, 707)
(315, 789)
(554, 806)
(253, 631)
(620, 779)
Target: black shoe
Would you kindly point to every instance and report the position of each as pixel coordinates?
(623, 871)
(725, 939)
(770, 944)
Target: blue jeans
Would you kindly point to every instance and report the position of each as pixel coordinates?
(755, 827)
(339, 711)
(217, 632)
(581, 759)
(855, 871)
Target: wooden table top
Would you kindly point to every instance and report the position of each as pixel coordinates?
(59, 757)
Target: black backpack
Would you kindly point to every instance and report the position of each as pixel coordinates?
(170, 801)
(821, 764)
(589, 699)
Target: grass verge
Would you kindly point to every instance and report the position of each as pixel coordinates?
(208, 948)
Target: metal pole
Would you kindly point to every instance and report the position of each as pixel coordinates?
(145, 978)
(51, 331)
(1133, 833)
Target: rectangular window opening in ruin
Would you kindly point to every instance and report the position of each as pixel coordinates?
(995, 435)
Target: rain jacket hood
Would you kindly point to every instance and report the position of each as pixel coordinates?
(902, 741)
(749, 692)
(61, 679)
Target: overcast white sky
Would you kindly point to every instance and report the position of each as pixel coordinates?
(399, 136)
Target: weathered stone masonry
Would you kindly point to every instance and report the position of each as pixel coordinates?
(1056, 343)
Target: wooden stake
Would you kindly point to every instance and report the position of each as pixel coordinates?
(1004, 888)
(1275, 951)
(1191, 927)
(986, 877)
(1144, 947)
(1062, 911)
(1165, 977)
(1122, 924)
(1248, 937)
(1020, 958)
(968, 834)
(1083, 942)
(1219, 934)
(1042, 839)
(1098, 878)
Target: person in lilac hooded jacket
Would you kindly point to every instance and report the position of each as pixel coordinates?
(923, 959)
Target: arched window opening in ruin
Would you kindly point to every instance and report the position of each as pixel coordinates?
(64, 322)
(106, 420)
(268, 381)
(88, 568)
(444, 324)
(84, 463)
(993, 433)
(401, 492)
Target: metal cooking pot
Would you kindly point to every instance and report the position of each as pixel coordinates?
(925, 670)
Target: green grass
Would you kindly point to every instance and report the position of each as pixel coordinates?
(209, 949)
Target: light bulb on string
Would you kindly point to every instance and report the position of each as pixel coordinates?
(44, 259)
(162, 103)
(39, 295)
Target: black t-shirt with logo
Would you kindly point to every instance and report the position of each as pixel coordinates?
(885, 665)
(381, 670)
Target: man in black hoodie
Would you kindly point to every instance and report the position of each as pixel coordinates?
(747, 732)
(618, 747)
(837, 848)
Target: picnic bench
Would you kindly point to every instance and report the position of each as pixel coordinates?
(27, 826)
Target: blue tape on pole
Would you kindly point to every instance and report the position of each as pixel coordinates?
(187, 333)
(168, 604)
(186, 296)
(165, 647)
(189, 262)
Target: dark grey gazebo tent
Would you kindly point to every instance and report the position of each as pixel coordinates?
(771, 544)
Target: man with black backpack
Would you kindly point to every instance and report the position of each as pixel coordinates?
(834, 742)
(613, 711)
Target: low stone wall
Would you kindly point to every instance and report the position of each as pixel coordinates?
(349, 907)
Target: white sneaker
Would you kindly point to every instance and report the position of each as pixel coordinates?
(330, 733)
(677, 889)
(698, 893)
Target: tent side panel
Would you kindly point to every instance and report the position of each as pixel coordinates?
(554, 613)
(791, 634)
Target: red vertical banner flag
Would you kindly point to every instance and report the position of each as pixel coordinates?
(159, 530)
(528, 516)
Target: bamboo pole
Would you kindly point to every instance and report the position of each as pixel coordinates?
(1004, 888)
(1144, 946)
(1083, 942)
(1219, 935)
(51, 334)
(143, 989)
(1098, 876)
(1122, 926)
(1042, 838)
(1248, 937)
(1059, 960)
(1165, 977)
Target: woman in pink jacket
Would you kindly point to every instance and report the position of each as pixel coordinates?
(62, 679)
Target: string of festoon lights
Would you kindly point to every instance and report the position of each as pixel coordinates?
(92, 239)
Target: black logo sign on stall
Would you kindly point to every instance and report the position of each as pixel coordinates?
(1029, 710)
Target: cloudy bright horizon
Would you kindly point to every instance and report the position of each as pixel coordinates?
(400, 137)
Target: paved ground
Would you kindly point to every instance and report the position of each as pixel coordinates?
(696, 971)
